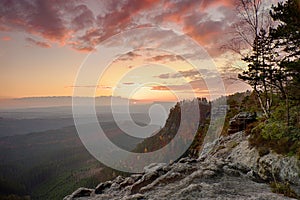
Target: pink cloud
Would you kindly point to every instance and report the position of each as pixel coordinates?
(54, 21)
(216, 3)
(37, 17)
(128, 83)
(75, 24)
(6, 38)
(38, 43)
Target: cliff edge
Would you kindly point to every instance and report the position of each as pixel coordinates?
(228, 168)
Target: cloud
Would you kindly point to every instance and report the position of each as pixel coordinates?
(129, 56)
(200, 88)
(84, 17)
(82, 25)
(89, 86)
(6, 38)
(164, 58)
(199, 80)
(38, 43)
(35, 17)
(193, 74)
(197, 84)
(183, 87)
(119, 17)
(215, 3)
(128, 83)
(55, 21)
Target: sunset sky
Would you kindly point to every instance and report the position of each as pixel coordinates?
(43, 44)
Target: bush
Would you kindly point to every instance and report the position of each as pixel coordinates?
(277, 136)
(283, 188)
(274, 130)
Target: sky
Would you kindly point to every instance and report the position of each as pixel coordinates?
(44, 43)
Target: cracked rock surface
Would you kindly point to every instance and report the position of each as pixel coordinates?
(227, 169)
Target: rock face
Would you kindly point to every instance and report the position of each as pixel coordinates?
(227, 169)
(240, 121)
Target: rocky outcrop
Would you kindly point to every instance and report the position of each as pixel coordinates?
(227, 169)
(174, 121)
(240, 121)
(79, 193)
(269, 167)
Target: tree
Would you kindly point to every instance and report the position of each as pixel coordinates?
(261, 70)
(287, 38)
(253, 17)
(273, 64)
(252, 42)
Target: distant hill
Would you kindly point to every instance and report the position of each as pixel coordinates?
(61, 101)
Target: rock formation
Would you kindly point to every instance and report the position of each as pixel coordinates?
(228, 168)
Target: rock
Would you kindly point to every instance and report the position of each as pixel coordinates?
(232, 172)
(252, 175)
(154, 167)
(229, 169)
(136, 176)
(283, 168)
(164, 179)
(128, 181)
(102, 186)
(145, 180)
(119, 179)
(240, 121)
(207, 149)
(188, 191)
(240, 167)
(267, 167)
(80, 192)
(208, 173)
(134, 197)
(187, 160)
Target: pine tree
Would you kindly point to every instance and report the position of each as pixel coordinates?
(287, 37)
(261, 72)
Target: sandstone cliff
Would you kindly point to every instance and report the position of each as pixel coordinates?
(228, 168)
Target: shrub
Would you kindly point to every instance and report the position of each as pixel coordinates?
(283, 188)
(262, 151)
(277, 136)
(274, 130)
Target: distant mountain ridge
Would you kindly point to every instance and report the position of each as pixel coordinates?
(52, 101)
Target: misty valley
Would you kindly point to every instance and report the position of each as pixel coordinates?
(43, 157)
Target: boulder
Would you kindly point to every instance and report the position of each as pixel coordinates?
(80, 192)
(102, 186)
(154, 167)
(240, 121)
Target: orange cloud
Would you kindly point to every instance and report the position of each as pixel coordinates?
(216, 3)
(6, 38)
